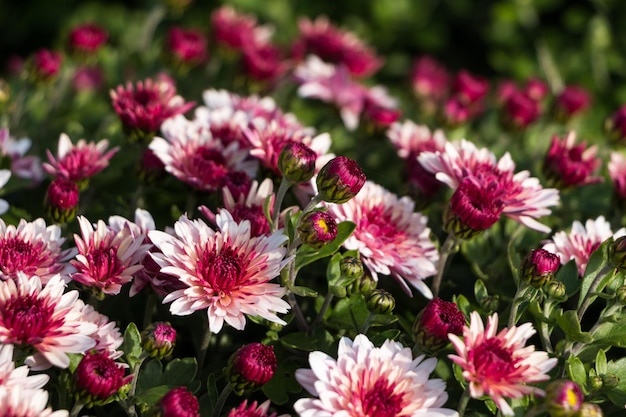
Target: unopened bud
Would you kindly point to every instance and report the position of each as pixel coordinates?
(610, 380)
(620, 294)
(351, 267)
(589, 410)
(178, 402)
(618, 252)
(158, 340)
(596, 383)
(317, 228)
(380, 301)
(433, 324)
(251, 367)
(296, 162)
(490, 303)
(61, 200)
(556, 290)
(340, 180)
(539, 267)
(563, 398)
(362, 285)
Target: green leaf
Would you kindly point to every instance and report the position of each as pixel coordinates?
(180, 372)
(267, 209)
(463, 303)
(303, 291)
(212, 393)
(152, 395)
(601, 362)
(380, 338)
(610, 334)
(307, 255)
(617, 395)
(480, 290)
(576, 371)
(150, 375)
(333, 270)
(568, 275)
(600, 265)
(282, 383)
(348, 313)
(300, 341)
(75, 359)
(568, 322)
(132, 345)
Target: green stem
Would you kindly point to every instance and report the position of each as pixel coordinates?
(221, 400)
(76, 409)
(366, 323)
(204, 346)
(149, 310)
(278, 201)
(517, 301)
(544, 332)
(320, 315)
(449, 247)
(463, 401)
(587, 300)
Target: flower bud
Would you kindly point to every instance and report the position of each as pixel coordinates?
(351, 267)
(178, 402)
(380, 301)
(490, 303)
(610, 380)
(340, 180)
(556, 290)
(595, 382)
(434, 322)
(185, 48)
(61, 200)
(87, 39)
(296, 162)
(589, 410)
(98, 378)
(362, 285)
(539, 267)
(615, 125)
(44, 66)
(620, 294)
(571, 101)
(563, 398)
(317, 228)
(158, 340)
(250, 367)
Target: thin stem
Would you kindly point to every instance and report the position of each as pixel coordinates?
(517, 301)
(221, 400)
(587, 300)
(366, 323)
(129, 403)
(204, 346)
(463, 401)
(320, 315)
(448, 248)
(149, 310)
(278, 201)
(544, 332)
(76, 409)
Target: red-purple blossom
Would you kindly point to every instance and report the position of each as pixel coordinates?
(430, 79)
(433, 324)
(236, 30)
(178, 402)
(340, 180)
(616, 124)
(252, 366)
(186, 47)
(98, 377)
(45, 65)
(571, 101)
(61, 200)
(263, 62)
(568, 164)
(87, 38)
(521, 110)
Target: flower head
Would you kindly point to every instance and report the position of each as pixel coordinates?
(521, 110)
(539, 267)
(296, 162)
(366, 380)
(108, 336)
(263, 62)
(158, 339)
(21, 401)
(430, 79)
(572, 101)
(567, 164)
(391, 238)
(563, 398)
(317, 228)
(98, 377)
(45, 65)
(253, 410)
(581, 241)
(500, 364)
(186, 47)
(22, 165)
(235, 30)
(44, 319)
(61, 200)
(251, 367)
(87, 38)
(435, 321)
(227, 272)
(340, 180)
(615, 124)
(178, 402)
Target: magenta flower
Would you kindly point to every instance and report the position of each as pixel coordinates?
(187, 47)
(45, 65)
(98, 377)
(253, 410)
(236, 30)
(616, 124)
(159, 339)
(433, 324)
(263, 62)
(317, 228)
(227, 272)
(88, 79)
(143, 107)
(499, 364)
(179, 402)
(78, 162)
(366, 380)
(339, 180)
(471, 89)
(431, 80)
(87, 38)
(572, 101)
(379, 108)
(536, 89)
(45, 319)
(391, 238)
(581, 241)
(523, 197)
(539, 267)
(521, 110)
(568, 164)
(251, 367)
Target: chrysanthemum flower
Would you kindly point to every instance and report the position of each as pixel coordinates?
(186, 47)
(500, 365)
(143, 107)
(368, 381)
(20, 401)
(430, 79)
(227, 272)
(253, 410)
(78, 162)
(106, 259)
(235, 30)
(45, 65)
(523, 197)
(87, 38)
(10, 375)
(572, 100)
(391, 238)
(108, 337)
(581, 241)
(568, 164)
(178, 402)
(22, 165)
(34, 249)
(44, 319)
(191, 153)
(98, 377)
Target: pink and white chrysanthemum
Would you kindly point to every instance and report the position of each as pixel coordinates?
(191, 153)
(236, 30)
(524, 199)
(108, 337)
(411, 139)
(45, 319)
(78, 162)
(227, 272)
(10, 375)
(366, 380)
(499, 364)
(253, 410)
(106, 259)
(34, 249)
(581, 241)
(18, 401)
(22, 165)
(617, 172)
(392, 238)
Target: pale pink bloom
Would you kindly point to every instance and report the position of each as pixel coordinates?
(581, 241)
(500, 364)
(430, 79)
(617, 172)
(80, 161)
(34, 249)
(108, 336)
(320, 37)
(366, 380)
(391, 238)
(253, 410)
(252, 106)
(191, 153)
(5, 175)
(18, 401)
(227, 272)
(236, 30)
(411, 139)
(523, 197)
(106, 259)
(10, 375)
(22, 166)
(45, 319)
(225, 124)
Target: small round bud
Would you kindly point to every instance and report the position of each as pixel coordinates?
(351, 267)
(158, 339)
(250, 367)
(178, 402)
(98, 378)
(563, 398)
(589, 410)
(434, 322)
(380, 301)
(556, 290)
(296, 162)
(61, 200)
(490, 303)
(317, 228)
(539, 267)
(596, 383)
(610, 380)
(340, 180)
(44, 66)
(620, 294)
(362, 285)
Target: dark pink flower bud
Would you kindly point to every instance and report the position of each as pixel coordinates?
(98, 378)
(263, 62)
(536, 89)
(615, 125)
(521, 110)
(430, 79)
(296, 162)
(571, 101)
(317, 228)
(252, 366)
(150, 167)
(186, 48)
(433, 324)
(178, 402)
(469, 88)
(567, 164)
(539, 267)
(159, 339)
(61, 200)
(340, 180)
(456, 112)
(45, 65)
(87, 38)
